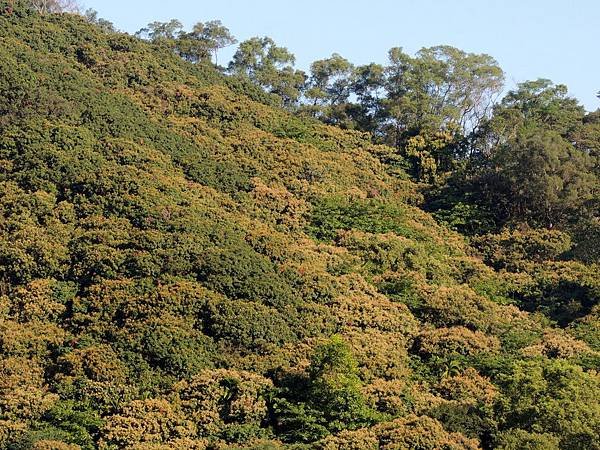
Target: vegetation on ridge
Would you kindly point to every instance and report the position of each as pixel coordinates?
(198, 260)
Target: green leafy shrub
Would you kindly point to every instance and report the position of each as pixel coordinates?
(240, 273)
(249, 325)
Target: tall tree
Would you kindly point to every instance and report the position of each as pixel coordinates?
(535, 161)
(91, 16)
(440, 88)
(161, 31)
(587, 136)
(328, 89)
(542, 102)
(270, 66)
(540, 178)
(339, 93)
(433, 101)
(54, 6)
(204, 41)
(336, 387)
(330, 80)
(368, 89)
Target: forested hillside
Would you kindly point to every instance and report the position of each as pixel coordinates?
(194, 258)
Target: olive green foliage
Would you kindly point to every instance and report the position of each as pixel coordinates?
(248, 325)
(540, 178)
(197, 45)
(521, 439)
(204, 41)
(513, 249)
(185, 264)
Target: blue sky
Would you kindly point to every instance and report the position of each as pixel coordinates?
(555, 39)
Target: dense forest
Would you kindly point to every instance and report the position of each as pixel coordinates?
(250, 256)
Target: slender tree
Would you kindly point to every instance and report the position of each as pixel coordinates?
(368, 89)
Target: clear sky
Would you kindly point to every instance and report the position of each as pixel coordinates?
(555, 39)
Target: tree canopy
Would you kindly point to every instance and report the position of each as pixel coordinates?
(195, 256)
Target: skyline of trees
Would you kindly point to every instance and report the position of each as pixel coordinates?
(194, 259)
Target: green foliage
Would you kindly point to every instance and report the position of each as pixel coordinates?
(225, 403)
(105, 25)
(445, 87)
(586, 241)
(514, 249)
(532, 162)
(520, 439)
(466, 218)
(565, 299)
(541, 102)
(205, 40)
(329, 88)
(299, 422)
(333, 214)
(161, 31)
(539, 178)
(81, 426)
(248, 325)
(553, 397)
(333, 400)
(270, 66)
(335, 386)
(243, 274)
(175, 249)
(178, 351)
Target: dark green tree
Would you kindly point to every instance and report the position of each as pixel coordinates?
(539, 177)
(270, 66)
(534, 161)
(161, 31)
(441, 88)
(204, 41)
(329, 87)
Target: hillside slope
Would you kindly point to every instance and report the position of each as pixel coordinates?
(185, 265)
